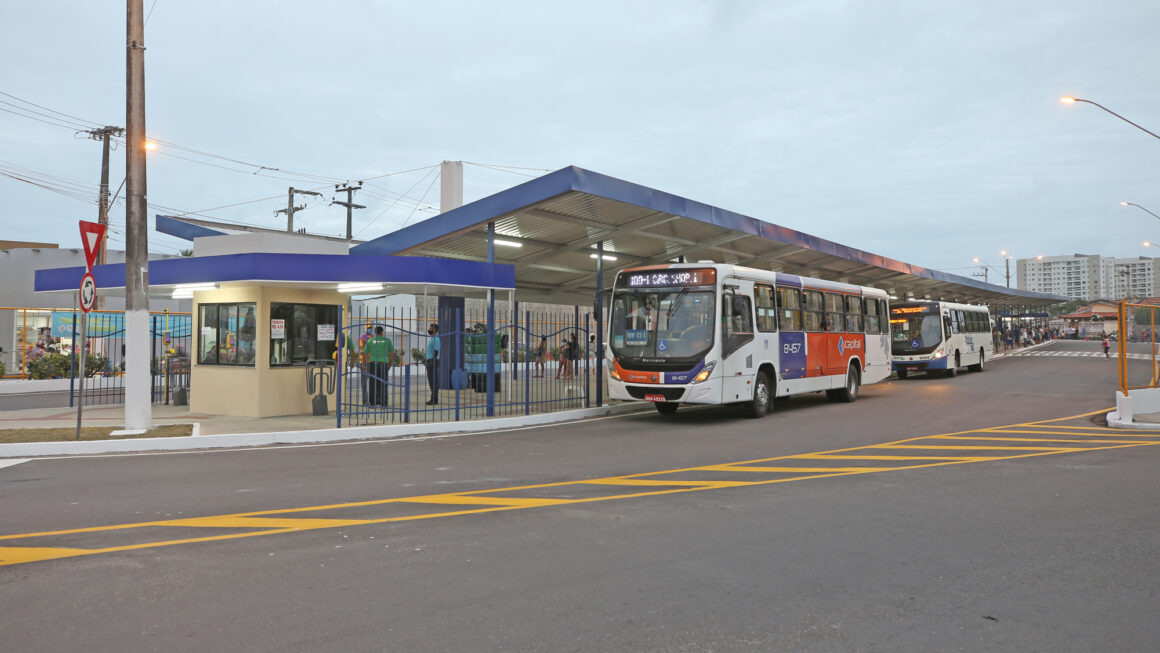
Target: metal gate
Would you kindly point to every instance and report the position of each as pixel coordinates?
(540, 363)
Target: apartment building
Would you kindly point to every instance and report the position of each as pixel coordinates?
(1089, 277)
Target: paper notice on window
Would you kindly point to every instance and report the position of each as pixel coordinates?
(278, 329)
(325, 332)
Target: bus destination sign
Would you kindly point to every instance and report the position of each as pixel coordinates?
(671, 278)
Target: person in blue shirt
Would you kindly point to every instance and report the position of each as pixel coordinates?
(432, 363)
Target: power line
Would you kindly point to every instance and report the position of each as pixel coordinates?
(59, 113)
(434, 169)
(421, 199)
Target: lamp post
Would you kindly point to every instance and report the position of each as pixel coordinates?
(1141, 208)
(1067, 99)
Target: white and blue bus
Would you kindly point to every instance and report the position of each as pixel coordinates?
(709, 333)
(939, 336)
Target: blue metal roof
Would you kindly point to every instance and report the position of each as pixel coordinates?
(855, 264)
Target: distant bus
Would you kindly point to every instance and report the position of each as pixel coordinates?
(931, 335)
(709, 333)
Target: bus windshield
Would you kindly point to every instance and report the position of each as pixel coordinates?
(915, 333)
(662, 324)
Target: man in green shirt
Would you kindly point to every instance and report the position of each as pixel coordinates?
(377, 351)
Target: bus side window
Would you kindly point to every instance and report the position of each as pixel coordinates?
(871, 311)
(789, 309)
(766, 309)
(835, 312)
(814, 310)
(883, 316)
(947, 327)
(853, 314)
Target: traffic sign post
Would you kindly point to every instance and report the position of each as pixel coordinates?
(92, 235)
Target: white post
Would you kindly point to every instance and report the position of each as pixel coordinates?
(450, 185)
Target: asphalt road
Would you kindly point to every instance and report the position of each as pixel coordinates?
(1034, 537)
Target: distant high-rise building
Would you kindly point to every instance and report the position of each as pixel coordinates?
(1089, 277)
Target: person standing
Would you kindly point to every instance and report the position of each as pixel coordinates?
(541, 355)
(432, 363)
(378, 351)
(1107, 346)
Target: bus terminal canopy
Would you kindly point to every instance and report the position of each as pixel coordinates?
(549, 229)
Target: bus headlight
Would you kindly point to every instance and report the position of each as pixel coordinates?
(704, 374)
(612, 373)
(939, 354)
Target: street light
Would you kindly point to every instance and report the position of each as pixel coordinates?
(1141, 208)
(1067, 99)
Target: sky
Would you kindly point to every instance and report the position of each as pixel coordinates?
(929, 132)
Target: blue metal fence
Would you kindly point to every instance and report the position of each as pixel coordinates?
(534, 363)
(170, 337)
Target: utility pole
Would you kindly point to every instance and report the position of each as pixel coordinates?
(104, 134)
(138, 402)
(349, 203)
(291, 209)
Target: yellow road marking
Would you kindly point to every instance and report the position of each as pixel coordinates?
(821, 456)
(515, 502)
(820, 470)
(14, 555)
(263, 524)
(229, 521)
(969, 447)
(979, 437)
(649, 483)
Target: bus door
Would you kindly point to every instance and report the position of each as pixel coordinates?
(854, 343)
(737, 368)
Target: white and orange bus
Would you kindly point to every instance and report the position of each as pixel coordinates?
(708, 333)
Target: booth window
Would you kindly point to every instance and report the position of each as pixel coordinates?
(300, 332)
(226, 334)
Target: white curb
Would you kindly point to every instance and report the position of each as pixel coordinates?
(195, 441)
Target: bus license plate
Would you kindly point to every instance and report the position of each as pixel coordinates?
(654, 397)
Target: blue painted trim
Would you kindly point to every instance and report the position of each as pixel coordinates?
(471, 216)
(323, 268)
(181, 229)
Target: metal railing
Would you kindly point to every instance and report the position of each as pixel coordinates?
(536, 363)
(1137, 323)
(44, 347)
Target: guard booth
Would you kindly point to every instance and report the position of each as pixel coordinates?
(266, 304)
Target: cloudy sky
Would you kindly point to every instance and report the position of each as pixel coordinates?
(930, 132)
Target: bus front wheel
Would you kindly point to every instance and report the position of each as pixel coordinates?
(953, 367)
(762, 400)
(666, 407)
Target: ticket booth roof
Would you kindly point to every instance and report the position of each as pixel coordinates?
(398, 274)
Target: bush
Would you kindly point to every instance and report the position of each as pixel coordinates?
(58, 366)
(3, 368)
(418, 355)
